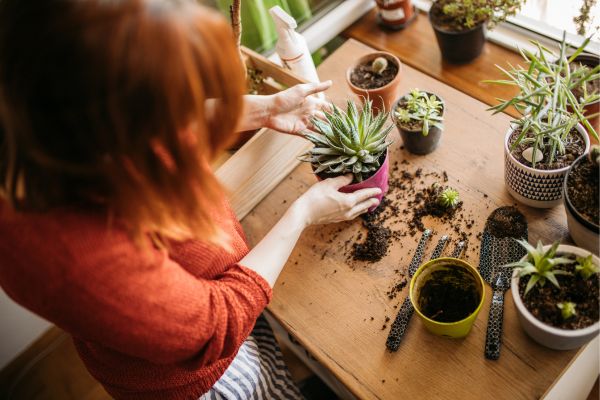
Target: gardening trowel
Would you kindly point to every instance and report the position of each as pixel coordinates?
(499, 247)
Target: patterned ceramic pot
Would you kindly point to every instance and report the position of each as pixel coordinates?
(546, 335)
(584, 232)
(536, 187)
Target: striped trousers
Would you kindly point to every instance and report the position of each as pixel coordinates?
(257, 371)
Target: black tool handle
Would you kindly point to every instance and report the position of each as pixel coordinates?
(399, 325)
(493, 338)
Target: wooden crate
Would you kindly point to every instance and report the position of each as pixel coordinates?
(256, 168)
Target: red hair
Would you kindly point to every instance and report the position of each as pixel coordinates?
(104, 103)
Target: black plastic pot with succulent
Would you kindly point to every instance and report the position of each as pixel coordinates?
(419, 116)
(460, 25)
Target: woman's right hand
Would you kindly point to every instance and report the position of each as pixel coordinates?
(323, 203)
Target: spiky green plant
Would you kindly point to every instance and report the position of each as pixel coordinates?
(586, 267)
(348, 142)
(549, 109)
(449, 198)
(567, 309)
(421, 108)
(540, 265)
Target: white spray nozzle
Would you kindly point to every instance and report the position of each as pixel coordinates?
(282, 19)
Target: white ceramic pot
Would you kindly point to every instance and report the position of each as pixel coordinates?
(544, 334)
(536, 187)
(584, 233)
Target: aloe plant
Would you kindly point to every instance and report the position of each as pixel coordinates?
(549, 110)
(422, 108)
(348, 142)
(540, 265)
(567, 309)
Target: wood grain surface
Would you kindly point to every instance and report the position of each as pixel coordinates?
(337, 308)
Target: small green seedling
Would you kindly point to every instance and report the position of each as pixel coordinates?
(585, 267)
(449, 198)
(379, 65)
(540, 265)
(567, 309)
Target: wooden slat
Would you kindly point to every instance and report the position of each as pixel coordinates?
(327, 304)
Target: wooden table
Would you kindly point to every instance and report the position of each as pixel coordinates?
(327, 303)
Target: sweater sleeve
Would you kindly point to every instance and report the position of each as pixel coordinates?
(154, 309)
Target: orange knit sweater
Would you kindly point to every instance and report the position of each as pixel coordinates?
(147, 324)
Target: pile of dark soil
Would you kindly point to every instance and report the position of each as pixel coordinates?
(364, 77)
(574, 147)
(375, 247)
(583, 188)
(506, 222)
(427, 203)
(449, 295)
(542, 301)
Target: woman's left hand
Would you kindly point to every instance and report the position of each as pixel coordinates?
(291, 110)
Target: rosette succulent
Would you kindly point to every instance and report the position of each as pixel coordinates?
(348, 142)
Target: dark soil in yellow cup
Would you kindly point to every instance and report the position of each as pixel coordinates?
(449, 295)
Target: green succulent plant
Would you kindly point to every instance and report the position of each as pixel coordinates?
(586, 268)
(449, 198)
(348, 142)
(419, 107)
(549, 109)
(540, 265)
(567, 309)
(473, 12)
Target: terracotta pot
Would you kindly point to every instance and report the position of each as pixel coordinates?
(585, 233)
(459, 47)
(395, 14)
(593, 108)
(546, 335)
(383, 97)
(414, 141)
(536, 187)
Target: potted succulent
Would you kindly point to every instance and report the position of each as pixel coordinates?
(540, 146)
(459, 25)
(564, 313)
(447, 294)
(376, 76)
(395, 14)
(353, 142)
(419, 116)
(581, 200)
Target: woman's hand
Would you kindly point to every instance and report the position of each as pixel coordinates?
(323, 203)
(292, 109)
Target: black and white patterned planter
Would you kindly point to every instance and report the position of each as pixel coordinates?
(535, 187)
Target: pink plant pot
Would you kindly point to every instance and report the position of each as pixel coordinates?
(379, 179)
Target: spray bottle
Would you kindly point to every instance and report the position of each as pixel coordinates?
(291, 46)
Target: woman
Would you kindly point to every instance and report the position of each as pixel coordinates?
(112, 224)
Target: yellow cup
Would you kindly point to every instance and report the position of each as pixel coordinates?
(457, 329)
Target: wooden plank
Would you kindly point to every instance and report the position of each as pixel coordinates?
(328, 303)
(416, 46)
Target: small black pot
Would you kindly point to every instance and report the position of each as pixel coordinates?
(414, 141)
(459, 47)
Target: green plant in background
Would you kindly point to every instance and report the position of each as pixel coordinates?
(421, 108)
(449, 198)
(540, 265)
(567, 309)
(549, 110)
(594, 155)
(348, 142)
(470, 13)
(259, 29)
(584, 17)
(586, 267)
